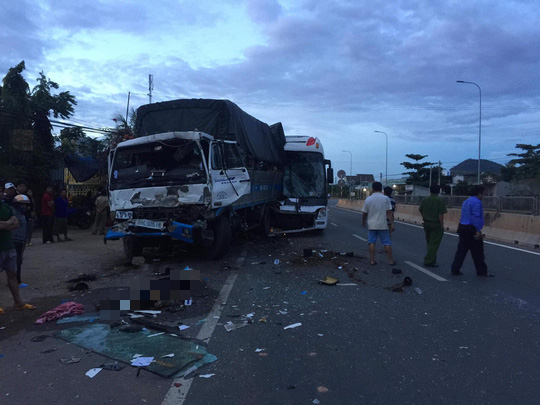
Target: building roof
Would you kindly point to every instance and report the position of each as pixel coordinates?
(469, 167)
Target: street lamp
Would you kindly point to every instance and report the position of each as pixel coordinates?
(479, 125)
(386, 174)
(349, 152)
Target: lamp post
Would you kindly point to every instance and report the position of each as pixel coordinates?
(479, 124)
(386, 173)
(349, 152)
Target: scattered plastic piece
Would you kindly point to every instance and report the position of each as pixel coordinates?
(316, 401)
(142, 361)
(148, 312)
(340, 267)
(177, 385)
(206, 375)
(167, 355)
(183, 327)
(135, 316)
(276, 261)
(250, 315)
(263, 319)
(259, 350)
(463, 347)
(303, 292)
(23, 285)
(322, 388)
(232, 326)
(346, 284)
(418, 290)
(320, 334)
(93, 372)
(70, 360)
(266, 288)
(156, 334)
(294, 325)
(188, 302)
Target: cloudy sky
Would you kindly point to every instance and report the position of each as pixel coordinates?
(336, 69)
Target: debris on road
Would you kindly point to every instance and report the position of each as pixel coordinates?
(259, 350)
(294, 325)
(70, 307)
(158, 334)
(276, 261)
(322, 389)
(407, 282)
(93, 372)
(183, 327)
(418, 290)
(79, 318)
(329, 280)
(39, 338)
(71, 360)
(206, 375)
(52, 349)
(233, 326)
(142, 361)
(112, 366)
(167, 355)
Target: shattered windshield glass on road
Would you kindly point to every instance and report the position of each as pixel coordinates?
(175, 161)
(304, 175)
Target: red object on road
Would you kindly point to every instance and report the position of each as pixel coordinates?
(70, 307)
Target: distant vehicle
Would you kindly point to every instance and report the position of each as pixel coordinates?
(199, 171)
(304, 204)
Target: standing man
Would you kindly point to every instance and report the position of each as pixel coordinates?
(47, 215)
(61, 205)
(433, 209)
(470, 234)
(388, 192)
(9, 193)
(102, 212)
(377, 212)
(8, 255)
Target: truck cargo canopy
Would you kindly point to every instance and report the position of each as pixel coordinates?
(220, 118)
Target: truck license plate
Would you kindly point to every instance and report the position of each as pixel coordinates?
(124, 214)
(146, 223)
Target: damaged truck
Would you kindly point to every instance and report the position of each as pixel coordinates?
(303, 205)
(198, 171)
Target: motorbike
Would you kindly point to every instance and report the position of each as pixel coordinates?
(83, 217)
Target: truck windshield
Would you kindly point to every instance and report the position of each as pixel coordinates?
(172, 162)
(304, 175)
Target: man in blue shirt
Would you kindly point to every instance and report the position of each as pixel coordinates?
(470, 234)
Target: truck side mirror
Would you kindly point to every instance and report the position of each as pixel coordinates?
(329, 175)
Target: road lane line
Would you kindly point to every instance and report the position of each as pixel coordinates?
(176, 395)
(359, 237)
(429, 273)
(331, 223)
(456, 235)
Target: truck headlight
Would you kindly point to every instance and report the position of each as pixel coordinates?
(321, 214)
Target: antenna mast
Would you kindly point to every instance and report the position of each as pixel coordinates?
(150, 87)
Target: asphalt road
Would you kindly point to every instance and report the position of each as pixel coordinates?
(463, 340)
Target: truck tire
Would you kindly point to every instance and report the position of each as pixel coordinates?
(222, 239)
(132, 247)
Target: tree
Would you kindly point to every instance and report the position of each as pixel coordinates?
(419, 173)
(527, 166)
(25, 130)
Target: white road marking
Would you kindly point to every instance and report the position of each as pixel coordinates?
(175, 395)
(429, 273)
(456, 235)
(331, 223)
(359, 237)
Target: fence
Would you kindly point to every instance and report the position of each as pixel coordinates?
(518, 205)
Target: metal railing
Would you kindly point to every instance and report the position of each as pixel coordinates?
(519, 204)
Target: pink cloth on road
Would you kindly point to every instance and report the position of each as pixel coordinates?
(70, 307)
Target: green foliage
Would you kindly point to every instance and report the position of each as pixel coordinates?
(24, 110)
(527, 164)
(462, 188)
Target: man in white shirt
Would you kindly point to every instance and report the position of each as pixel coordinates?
(377, 213)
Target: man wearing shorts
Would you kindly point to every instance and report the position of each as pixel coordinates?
(377, 213)
(8, 255)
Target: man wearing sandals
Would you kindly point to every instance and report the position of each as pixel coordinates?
(377, 213)
(8, 255)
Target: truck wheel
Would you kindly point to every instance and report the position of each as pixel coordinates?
(222, 239)
(266, 222)
(132, 247)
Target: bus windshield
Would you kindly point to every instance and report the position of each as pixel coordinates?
(304, 175)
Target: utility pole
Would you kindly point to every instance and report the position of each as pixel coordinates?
(439, 173)
(127, 109)
(430, 170)
(150, 88)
